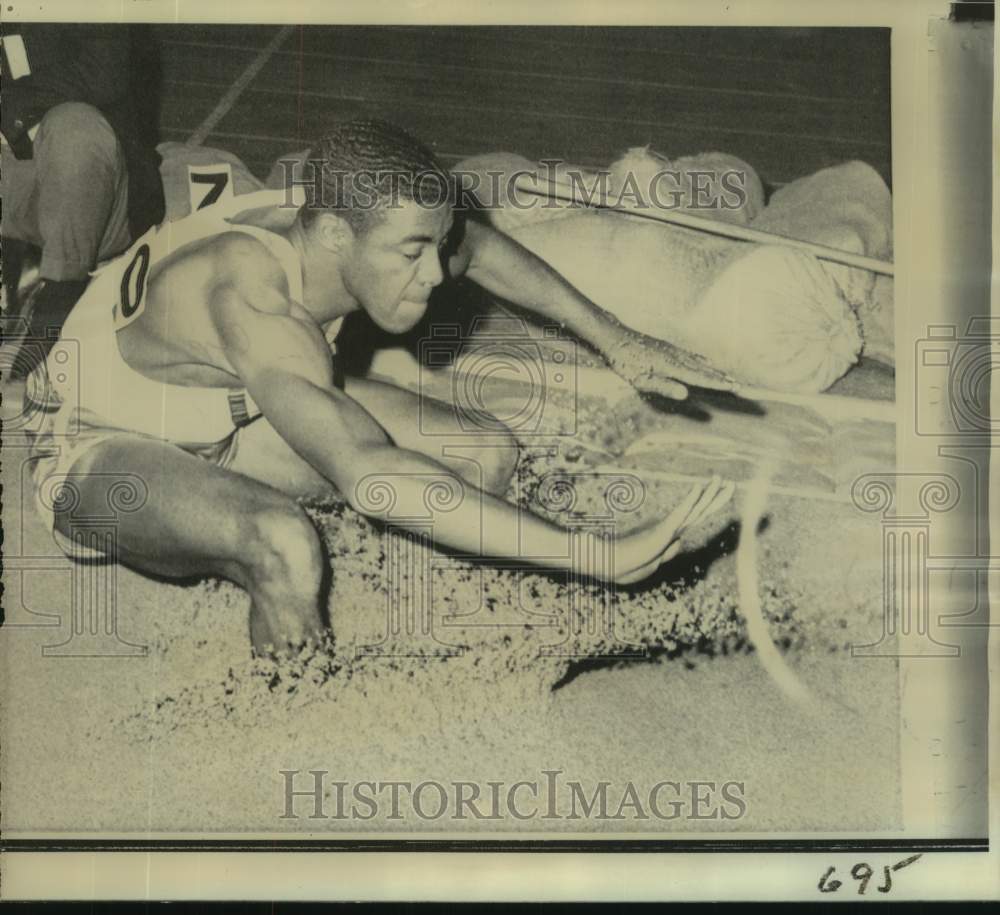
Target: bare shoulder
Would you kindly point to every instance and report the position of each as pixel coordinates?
(246, 265)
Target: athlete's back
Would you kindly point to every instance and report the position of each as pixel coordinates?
(150, 355)
(174, 338)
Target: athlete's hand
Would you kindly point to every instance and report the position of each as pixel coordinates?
(639, 553)
(656, 367)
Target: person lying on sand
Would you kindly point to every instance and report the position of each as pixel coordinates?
(207, 390)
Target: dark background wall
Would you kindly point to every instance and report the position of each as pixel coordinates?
(789, 101)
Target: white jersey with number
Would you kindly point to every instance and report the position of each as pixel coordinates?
(86, 368)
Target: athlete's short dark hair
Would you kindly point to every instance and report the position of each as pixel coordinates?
(363, 166)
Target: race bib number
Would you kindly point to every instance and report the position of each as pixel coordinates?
(208, 184)
(132, 292)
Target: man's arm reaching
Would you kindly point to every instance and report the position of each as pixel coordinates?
(502, 266)
(284, 362)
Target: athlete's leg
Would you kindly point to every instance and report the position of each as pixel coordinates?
(198, 519)
(484, 457)
(420, 424)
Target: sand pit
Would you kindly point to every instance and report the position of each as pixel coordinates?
(193, 735)
(518, 671)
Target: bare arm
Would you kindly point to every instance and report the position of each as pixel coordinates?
(508, 269)
(284, 361)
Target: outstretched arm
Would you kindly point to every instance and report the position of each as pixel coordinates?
(284, 361)
(502, 266)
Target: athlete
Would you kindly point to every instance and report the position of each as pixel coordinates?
(207, 382)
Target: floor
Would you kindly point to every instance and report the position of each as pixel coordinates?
(788, 101)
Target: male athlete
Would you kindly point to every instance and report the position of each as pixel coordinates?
(206, 374)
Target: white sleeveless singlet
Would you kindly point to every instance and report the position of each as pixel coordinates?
(101, 381)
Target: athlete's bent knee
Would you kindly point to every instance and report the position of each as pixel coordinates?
(74, 137)
(283, 550)
(67, 120)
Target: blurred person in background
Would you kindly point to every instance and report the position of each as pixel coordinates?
(80, 176)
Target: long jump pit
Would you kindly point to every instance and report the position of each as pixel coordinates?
(758, 659)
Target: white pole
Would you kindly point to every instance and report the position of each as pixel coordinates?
(725, 229)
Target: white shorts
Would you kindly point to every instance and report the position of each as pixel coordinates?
(66, 433)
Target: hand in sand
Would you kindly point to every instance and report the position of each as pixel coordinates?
(657, 367)
(638, 554)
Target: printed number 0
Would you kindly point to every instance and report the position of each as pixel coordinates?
(132, 295)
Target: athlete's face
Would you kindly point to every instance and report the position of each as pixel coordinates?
(392, 268)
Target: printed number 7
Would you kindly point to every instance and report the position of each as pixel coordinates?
(217, 180)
